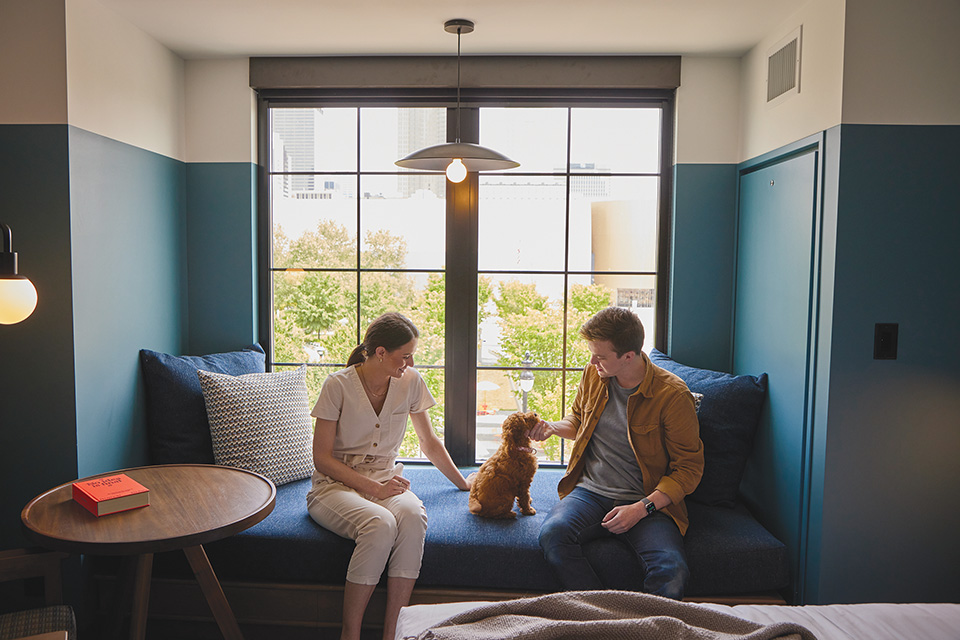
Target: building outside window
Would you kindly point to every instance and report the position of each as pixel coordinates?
(575, 229)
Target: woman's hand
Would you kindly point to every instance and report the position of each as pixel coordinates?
(392, 487)
(470, 480)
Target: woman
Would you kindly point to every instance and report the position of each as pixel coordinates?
(358, 489)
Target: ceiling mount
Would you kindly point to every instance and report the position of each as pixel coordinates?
(458, 26)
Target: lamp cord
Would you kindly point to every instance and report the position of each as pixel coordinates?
(459, 29)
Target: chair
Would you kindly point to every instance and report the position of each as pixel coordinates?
(52, 622)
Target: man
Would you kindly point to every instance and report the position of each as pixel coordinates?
(636, 454)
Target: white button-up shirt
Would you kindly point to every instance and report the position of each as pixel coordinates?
(360, 430)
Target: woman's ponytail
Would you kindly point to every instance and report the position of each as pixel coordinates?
(357, 355)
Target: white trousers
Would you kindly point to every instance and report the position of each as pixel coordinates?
(389, 533)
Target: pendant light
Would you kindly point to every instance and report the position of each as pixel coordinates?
(18, 296)
(457, 158)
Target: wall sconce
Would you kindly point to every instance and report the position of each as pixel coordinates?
(18, 296)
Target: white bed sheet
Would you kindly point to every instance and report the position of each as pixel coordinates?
(827, 622)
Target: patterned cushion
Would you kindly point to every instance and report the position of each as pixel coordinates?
(261, 422)
(37, 621)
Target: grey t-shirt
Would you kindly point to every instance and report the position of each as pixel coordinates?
(610, 467)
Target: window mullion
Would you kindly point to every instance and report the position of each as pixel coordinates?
(460, 388)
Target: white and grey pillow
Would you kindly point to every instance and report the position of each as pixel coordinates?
(261, 422)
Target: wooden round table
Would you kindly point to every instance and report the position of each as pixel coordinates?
(190, 505)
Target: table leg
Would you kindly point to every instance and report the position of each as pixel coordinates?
(210, 586)
(141, 596)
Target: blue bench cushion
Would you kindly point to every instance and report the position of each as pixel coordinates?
(177, 426)
(729, 414)
(729, 551)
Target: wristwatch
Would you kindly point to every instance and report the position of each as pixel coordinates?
(649, 505)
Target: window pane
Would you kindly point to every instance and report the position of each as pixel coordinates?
(521, 222)
(388, 134)
(419, 296)
(614, 223)
(313, 316)
(637, 293)
(536, 137)
(501, 393)
(615, 140)
(520, 314)
(410, 448)
(313, 139)
(314, 231)
(403, 232)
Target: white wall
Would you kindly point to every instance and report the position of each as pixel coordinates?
(708, 111)
(902, 62)
(121, 83)
(33, 62)
(818, 105)
(221, 111)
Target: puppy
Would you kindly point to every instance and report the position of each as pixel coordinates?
(507, 474)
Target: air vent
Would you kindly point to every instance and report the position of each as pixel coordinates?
(783, 69)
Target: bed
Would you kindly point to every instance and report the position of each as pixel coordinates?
(824, 622)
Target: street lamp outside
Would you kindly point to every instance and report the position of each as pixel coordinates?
(526, 378)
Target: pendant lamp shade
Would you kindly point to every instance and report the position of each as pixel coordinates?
(473, 156)
(457, 158)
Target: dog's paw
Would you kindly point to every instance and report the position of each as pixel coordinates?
(529, 512)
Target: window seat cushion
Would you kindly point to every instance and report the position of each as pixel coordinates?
(728, 550)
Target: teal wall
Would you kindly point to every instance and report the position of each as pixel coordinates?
(129, 282)
(701, 277)
(776, 289)
(858, 476)
(222, 250)
(38, 436)
(891, 505)
(128, 249)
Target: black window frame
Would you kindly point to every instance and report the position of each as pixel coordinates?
(461, 270)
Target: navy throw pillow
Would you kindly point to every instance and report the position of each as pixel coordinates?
(177, 426)
(729, 415)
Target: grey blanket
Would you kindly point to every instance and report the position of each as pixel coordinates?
(603, 615)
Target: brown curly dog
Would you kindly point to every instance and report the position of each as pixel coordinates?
(507, 474)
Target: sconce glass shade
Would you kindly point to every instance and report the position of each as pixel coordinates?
(18, 299)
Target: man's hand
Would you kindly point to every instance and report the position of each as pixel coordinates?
(621, 519)
(542, 431)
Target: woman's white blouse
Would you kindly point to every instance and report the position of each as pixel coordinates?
(361, 431)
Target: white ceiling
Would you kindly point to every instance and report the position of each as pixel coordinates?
(226, 28)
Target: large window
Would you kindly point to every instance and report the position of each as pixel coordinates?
(505, 266)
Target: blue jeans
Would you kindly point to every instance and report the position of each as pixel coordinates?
(655, 539)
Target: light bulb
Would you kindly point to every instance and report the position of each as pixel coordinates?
(18, 299)
(456, 172)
